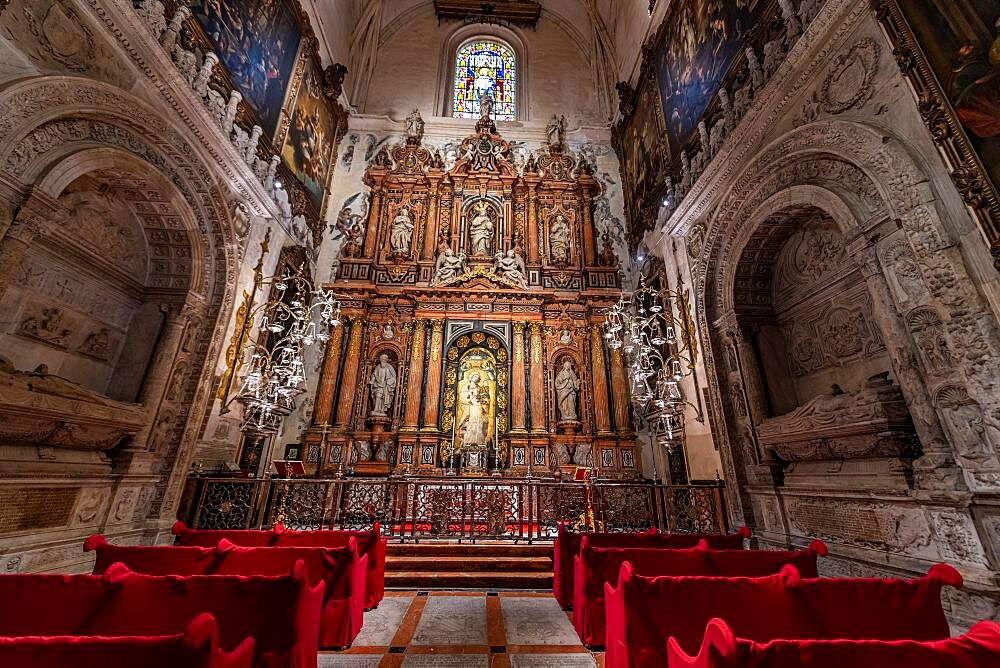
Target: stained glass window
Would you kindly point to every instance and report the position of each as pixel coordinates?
(484, 66)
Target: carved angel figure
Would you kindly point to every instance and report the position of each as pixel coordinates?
(415, 126)
(448, 266)
(511, 266)
(402, 231)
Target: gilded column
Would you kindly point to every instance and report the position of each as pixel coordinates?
(433, 385)
(349, 377)
(518, 412)
(411, 414)
(374, 217)
(430, 228)
(537, 379)
(602, 414)
(589, 252)
(619, 391)
(329, 379)
(532, 223)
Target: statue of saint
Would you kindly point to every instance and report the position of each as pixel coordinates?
(567, 386)
(511, 267)
(414, 129)
(383, 386)
(448, 266)
(481, 231)
(402, 231)
(485, 104)
(555, 131)
(559, 239)
(475, 403)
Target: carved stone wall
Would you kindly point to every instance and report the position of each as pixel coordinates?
(837, 130)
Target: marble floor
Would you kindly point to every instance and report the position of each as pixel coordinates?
(474, 629)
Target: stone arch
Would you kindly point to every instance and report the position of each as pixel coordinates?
(875, 186)
(52, 131)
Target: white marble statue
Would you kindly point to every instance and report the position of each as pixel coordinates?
(475, 404)
(402, 231)
(448, 266)
(511, 266)
(383, 386)
(414, 126)
(567, 386)
(559, 239)
(481, 230)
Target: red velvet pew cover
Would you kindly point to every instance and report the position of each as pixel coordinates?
(370, 543)
(197, 647)
(596, 566)
(280, 613)
(567, 546)
(643, 611)
(341, 570)
(722, 649)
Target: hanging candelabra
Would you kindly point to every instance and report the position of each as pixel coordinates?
(275, 366)
(654, 330)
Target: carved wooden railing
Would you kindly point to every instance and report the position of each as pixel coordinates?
(453, 508)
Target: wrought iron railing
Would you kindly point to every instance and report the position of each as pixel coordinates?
(456, 508)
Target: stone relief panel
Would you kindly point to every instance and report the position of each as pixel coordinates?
(811, 259)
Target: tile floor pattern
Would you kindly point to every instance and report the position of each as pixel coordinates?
(465, 629)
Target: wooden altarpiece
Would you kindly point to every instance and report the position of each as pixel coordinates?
(427, 290)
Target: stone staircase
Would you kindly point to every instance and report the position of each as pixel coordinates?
(453, 565)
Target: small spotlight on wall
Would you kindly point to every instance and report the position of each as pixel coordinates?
(277, 184)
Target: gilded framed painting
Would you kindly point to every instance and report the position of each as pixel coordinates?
(257, 42)
(311, 135)
(697, 43)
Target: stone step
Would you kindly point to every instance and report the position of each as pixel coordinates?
(466, 580)
(440, 549)
(476, 563)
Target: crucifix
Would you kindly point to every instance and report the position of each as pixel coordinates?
(324, 446)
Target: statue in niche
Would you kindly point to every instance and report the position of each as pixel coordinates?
(475, 402)
(383, 386)
(555, 131)
(481, 229)
(402, 231)
(485, 104)
(559, 239)
(448, 266)
(567, 386)
(511, 266)
(414, 130)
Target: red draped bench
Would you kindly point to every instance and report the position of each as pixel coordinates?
(280, 613)
(370, 544)
(643, 611)
(340, 569)
(722, 649)
(596, 566)
(567, 546)
(196, 647)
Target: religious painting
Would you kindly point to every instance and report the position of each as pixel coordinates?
(293, 452)
(642, 152)
(257, 42)
(307, 149)
(485, 68)
(697, 44)
(475, 394)
(960, 40)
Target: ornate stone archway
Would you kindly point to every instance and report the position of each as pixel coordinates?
(55, 130)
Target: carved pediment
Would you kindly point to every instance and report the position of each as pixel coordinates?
(481, 277)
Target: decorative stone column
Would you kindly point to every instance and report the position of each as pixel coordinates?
(619, 391)
(518, 398)
(349, 376)
(537, 379)
(411, 413)
(589, 249)
(432, 394)
(532, 220)
(329, 379)
(602, 414)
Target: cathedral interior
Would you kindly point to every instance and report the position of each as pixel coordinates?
(471, 271)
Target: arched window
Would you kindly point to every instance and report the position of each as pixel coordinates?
(485, 66)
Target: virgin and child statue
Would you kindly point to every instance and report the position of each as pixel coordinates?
(481, 229)
(475, 404)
